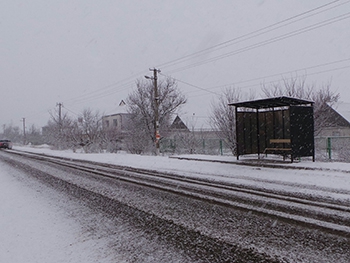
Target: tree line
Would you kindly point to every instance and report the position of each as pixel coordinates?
(86, 131)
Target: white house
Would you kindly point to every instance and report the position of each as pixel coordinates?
(340, 124)
(116, 121)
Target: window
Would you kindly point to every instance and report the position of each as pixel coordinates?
(107, 123)
(115, 122)
(336, 133)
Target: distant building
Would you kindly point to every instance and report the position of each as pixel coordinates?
(118, 121)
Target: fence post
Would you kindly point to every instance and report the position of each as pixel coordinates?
(329, 148)
(221, 147)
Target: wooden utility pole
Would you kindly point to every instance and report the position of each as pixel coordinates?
(156, 107)
(156, 114)
(59, 117)
(24, 131)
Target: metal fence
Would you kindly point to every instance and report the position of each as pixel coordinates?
(195, 146)
(332, 149)
(326, 148)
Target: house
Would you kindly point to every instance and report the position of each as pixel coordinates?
(340, 124)
(118, 121)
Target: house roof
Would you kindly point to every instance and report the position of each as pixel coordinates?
(340, 114)
(343, 108)
(178, 124)
(271, 103)
(120, 110)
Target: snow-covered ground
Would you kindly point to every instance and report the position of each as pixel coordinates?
(35, 228)
(35, 225)
(326, 175)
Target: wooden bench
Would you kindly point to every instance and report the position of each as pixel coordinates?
(279, 147)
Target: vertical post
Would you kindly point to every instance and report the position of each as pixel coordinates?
(59, 116)
(156, 113)
(258, 132)
(329, 148)
(221, 147)
(236, 119)
(24, 131)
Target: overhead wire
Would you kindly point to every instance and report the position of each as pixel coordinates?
(295, 71)
(282, 79)
(118, 84)
(250, 35)
(310, 74)
(266, 42)
(121, 85)
(284, 73)
(103, 94)
(70, 110)
(189, 84)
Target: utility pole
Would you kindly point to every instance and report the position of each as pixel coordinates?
(156, 114)
(59, 117)
(156, 107)
(24, 131)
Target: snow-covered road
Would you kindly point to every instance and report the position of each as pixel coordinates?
(75, 237)
(36, 224)
(39, 223)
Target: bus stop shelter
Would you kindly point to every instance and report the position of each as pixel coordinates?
(280, 125)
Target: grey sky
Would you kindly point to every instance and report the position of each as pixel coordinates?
(86, 53)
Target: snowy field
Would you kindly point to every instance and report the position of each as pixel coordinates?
(36, 227)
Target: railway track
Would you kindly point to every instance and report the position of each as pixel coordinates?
(296, 209)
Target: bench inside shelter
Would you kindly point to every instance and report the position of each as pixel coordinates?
(280, 146)
(280, 125)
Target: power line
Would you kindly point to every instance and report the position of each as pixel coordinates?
(311, 74)
(284, 73)
(121, 85)
(70, 110)
(266, 42)
(255, 33)
(189, 84)
(281, 79)
(102, 94)
(117, 84)
(105, 91)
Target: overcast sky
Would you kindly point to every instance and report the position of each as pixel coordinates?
(89, 53)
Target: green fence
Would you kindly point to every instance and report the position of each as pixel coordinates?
(332, 148)
(195, 146)
(326, 148)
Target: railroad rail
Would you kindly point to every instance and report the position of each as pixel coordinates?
(294, 208)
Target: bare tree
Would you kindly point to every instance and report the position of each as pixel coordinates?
(34, 136)
(292, 87)
(12, 133)
(112, 139)
(222, 118)
(324, 98)
(88, 131)
(141, 106)
(58, 131)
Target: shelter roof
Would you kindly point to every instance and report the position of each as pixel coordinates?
(271, 103)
